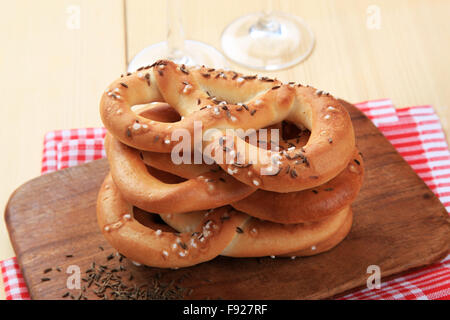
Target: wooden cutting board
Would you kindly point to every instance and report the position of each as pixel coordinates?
(398, 225)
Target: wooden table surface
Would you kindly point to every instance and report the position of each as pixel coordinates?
(58, 56)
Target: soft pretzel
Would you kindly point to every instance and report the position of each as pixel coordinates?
(225, 99)
(307, 205)
(141, 188)
(158, 248)
(155, 222)
(288, 208)
(294, 207)
(163, 161)
(220, 231)
(258, 238)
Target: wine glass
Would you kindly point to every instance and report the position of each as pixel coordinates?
(176, 48)
(267, 40)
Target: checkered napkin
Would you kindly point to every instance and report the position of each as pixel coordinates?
(414, 131)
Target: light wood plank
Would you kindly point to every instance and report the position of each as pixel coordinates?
(53, 76)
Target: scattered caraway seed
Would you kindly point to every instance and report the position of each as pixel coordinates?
(69, 255)
(239, 230)
(183, 69)
(106, 283)
(183, 245)
(45, 279)
(48, 270)
(294, 173)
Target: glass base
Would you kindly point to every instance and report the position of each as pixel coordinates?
(194, 53)
(267, 42)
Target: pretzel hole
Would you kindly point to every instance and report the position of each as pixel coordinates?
(157, 111)
(165, 177)
(151, 220)
(288, 131)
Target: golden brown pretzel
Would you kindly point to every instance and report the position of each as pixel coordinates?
(144, 190)
(307, 205)
(288, 208)
(165, 113)
(163, 161)
(224, 100)
(220, 231)
(158, 248)
(258, 238)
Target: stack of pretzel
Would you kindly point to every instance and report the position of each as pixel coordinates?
(293, 199)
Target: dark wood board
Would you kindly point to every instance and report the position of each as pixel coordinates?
(398, 225)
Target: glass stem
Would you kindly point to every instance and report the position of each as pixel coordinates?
(175, 32)
(266, 23)
(268, 9)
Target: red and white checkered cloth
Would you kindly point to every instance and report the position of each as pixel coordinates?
(414, 131)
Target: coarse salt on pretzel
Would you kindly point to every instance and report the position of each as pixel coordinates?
(307, 205)
(158, 160)
(163, 161)
(286, 208)
(209, 234)
(327, 152)
(258, 238)
(160, 248)
(225, 99)
(196, 94)
(144, 190)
